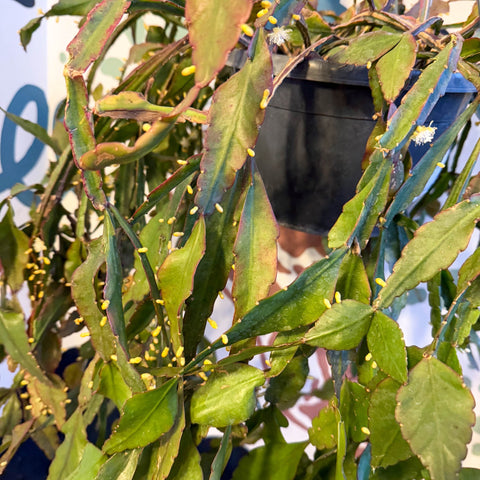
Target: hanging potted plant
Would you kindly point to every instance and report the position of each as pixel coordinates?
(169, 204)
(341, 97)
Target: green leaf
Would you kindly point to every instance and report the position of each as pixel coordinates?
(360, 214)
(406, 470)
(435, 413)
(280, 358)
(83, 293)
(234, 119)
(469, 474)
(385, 342)
(177, 273)
(388, 445)
(71, 7)
(354, 402)
(461, 182)
(80, 133)
(187, 464)
(11, 415)
(214, 23)
(93, 35)
(423, 171)
(367, 47)
(221, 458)
(92, 460)
(341, 451)
(228, 397)
(284, 389)
(35, 129)
(395, 67)
(420, 100)
(280, 312)
(212, 272)
(109, 153)
(274, 461)
(70, 452)
(133, 105)
(28, 30)
(167, 448)
(255, 249)
(13, 244)
(146, 416)
(112, 291)
(426, 254)
(353, 279)
(120, 466)
(50, 396)
(14, 337)
(341, 327)
(323, 433)
(113, 386)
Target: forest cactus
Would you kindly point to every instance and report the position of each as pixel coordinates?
(155, 235)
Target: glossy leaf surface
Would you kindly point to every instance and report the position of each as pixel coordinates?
(388, 445)
(426, 254)
(395, 67)
(419, 101)
(228, 397)
(13, 246)
(90, 40)
(214, 22)
(146, 416)
(341, 327)
(435, 411)
(386, 344)
(120, 466)
(367, 47)
(255, 249)
(360, 214)
(177, 272)
(14, 337)
(233, 119)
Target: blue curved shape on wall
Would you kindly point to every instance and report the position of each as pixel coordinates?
(14, 171)
(26, 3)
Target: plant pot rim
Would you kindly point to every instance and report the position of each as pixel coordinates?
(327, 71)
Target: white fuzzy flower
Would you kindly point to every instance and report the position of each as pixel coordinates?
(423, 134)
(38, 245)
(279, 35)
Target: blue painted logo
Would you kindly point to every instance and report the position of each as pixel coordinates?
(14, 170)
(26, 3)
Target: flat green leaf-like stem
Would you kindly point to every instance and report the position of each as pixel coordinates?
(386, 344)
(234, 119)
(300, 304)
(367, 47)
(133, 105)
(341, 327)
(422, 97)
(255, 249)
(214, 23)
(433, 248)
(228, 396)
(435, 413)
(92, 36)
(109, 153)
(146, 416)
(14, 337)
(176, 276)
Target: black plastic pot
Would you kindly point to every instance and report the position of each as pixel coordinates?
(311, 145)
